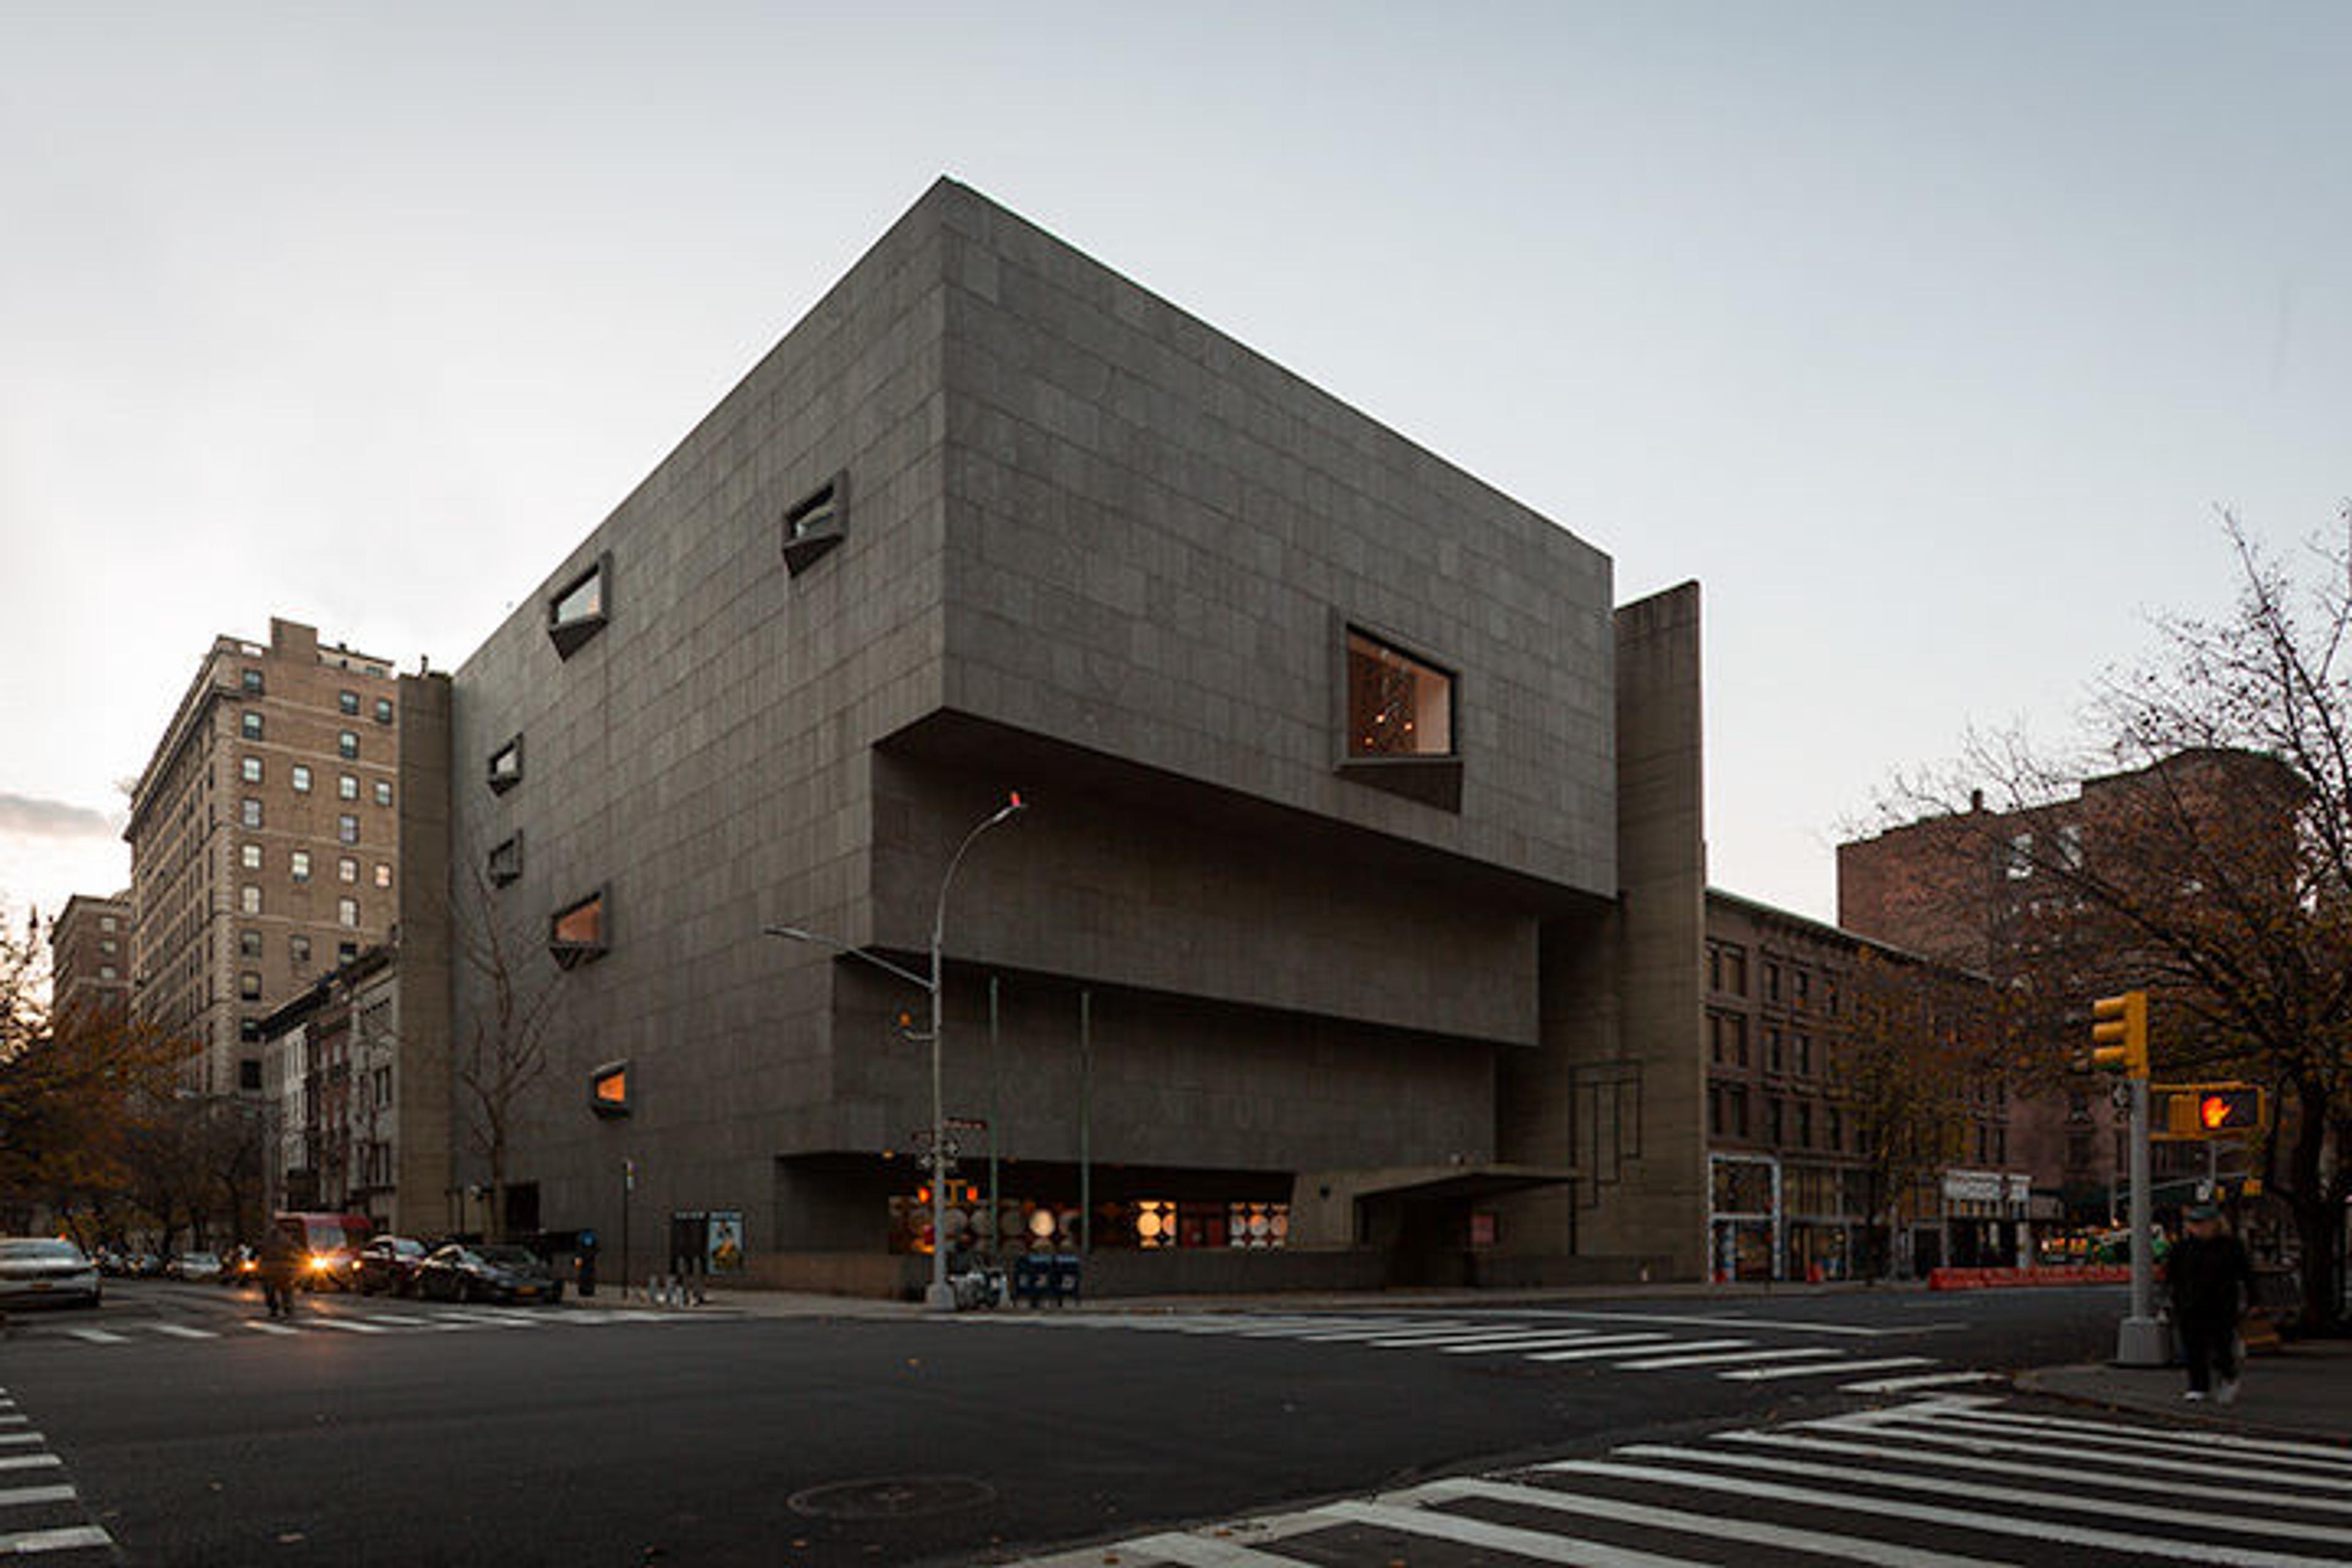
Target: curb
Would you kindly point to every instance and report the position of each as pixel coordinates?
(2036, 1380)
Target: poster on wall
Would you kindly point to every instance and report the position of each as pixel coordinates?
(726, 1241)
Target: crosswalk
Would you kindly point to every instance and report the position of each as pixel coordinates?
(344, 1322)
(41, 1515)
(1734, 1349)
(1940, 1481)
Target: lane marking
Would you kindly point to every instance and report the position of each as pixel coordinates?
(1825, 1369)
(1467, 1532)
(10, 1438)
(2201, 1552)
(25, 1543)
(1732, 1320)
(1641, 1344)
(261, 1327)
(2319, 1453)
(28, 1497)
(31, 1462)
(1923, 1380)
(2070, 1452)
(99, 1336)
(179, 1332)
(346, 1325)
(1196, 1551)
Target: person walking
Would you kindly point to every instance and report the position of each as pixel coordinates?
(2212, 1285)
(279, 1260)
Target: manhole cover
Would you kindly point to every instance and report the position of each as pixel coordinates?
(898, 1497)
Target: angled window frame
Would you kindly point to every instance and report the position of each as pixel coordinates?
(504, 768)
(816, 523)
(1432, 778)
(503, 865)
(570, 952)
(571, 631)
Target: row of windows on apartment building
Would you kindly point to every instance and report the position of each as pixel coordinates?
(1791, 1123)
(1784, 984)
(1784, 1051)
(250, 814)
(251, 682)
(347, 786)
(251, 857)
(250, 901)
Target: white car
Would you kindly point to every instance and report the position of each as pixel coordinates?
(45, 1269)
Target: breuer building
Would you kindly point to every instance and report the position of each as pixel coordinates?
(1353, 930)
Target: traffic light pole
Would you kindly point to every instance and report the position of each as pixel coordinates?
(2140, 1339)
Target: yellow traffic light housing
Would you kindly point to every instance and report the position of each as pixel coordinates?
(2120, 1033)
(2203, 1111)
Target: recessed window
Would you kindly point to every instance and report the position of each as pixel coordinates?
(1397, 705)
(346, 788)
(813, 525)
(248, 812)
(248, 944)
(301, 865)
(608, 1089)
(248, 986)
(579, 609)
(382, 874)
(248, 900)
(382, 793)
(346, 950)
(249, 769)
(107, 923)
(250, 857)
(347, 913)
(250, 680)
(384, 709)
(347, 870)
(298, 948)
(506, 861)
(580, 932)
(348, 701)
(248, 1068)
(108, 972)
(347, 829)
(249, 724)
(505, 766)
(347, 745)
(301, 778)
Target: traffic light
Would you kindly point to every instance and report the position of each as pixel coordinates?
(2229, 1109)
(2120, 1033)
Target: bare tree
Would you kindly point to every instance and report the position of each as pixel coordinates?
(501, 1049)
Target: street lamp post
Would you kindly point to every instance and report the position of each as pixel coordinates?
(940, 1296)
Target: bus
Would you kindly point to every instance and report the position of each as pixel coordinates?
(330, 1246)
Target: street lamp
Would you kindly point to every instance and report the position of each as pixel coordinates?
(940, 1296)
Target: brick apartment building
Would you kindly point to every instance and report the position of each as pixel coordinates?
(1792, 1191)
(264, 841)
(90, 955)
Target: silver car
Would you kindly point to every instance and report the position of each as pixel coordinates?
(45, 1269)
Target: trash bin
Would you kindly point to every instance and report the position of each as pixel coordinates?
(1065, 1278)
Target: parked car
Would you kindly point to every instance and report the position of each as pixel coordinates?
(45, 1269)
(390, 1263)
(463, 1273)
(195, 1268)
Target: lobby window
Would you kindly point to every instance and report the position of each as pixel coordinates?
(347, 829)
(301, 778)
(249, 724)
(506, 861)
(301, 862)
(382, 793)
(347, 745)
(347, 913)
(578, 610)
(1397, 705)
(814, 524)
(505, 766)
(348, 701)
(346, 788)
(249, 769)
(580, 931)
(250, 857)
(384, 709)
(250, 680)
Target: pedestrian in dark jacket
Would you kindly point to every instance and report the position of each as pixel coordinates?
(280, 1260)
(2212, 1285)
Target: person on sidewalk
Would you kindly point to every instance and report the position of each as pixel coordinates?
(2212, 1285)
(280, 1259)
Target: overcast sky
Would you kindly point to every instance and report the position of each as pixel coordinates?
(1927, 337)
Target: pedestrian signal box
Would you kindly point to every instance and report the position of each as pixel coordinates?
(2120, 1033)
(2207, 1110)
(608, 1089)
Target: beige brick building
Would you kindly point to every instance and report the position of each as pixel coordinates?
(90, 955)
(264, 841)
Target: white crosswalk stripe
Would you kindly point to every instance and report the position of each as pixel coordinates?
(1738, 1348)
(345, 1321)
(1931, 1483)
(40, 1512)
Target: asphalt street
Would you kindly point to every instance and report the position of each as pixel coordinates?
(417, 1433)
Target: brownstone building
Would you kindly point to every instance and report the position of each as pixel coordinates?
(264, 841)
(90, 955)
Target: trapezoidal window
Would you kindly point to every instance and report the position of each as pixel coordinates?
(579, 610)
(505, 864)
(1399, 715)
(814, 524)
(505, 766)
(581, 931)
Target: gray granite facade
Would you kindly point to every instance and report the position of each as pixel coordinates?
(1079, 545)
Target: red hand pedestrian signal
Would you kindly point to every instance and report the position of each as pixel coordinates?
(2227, 1109)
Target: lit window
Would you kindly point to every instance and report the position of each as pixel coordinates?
(249, 899)
(301, 865)
(505, 766)
(347, 829)
(347, 870)
(578, 611)
(505, 860)
(382, 874)
(250, 857)
(578, 932)
(384, 709)
(814, 524)
(346, 788)
(249, 769)
(347, 913)
(347, 745)
(249, 724)
(248, 986)
(107, 971)
(301, 778)
(1397, 706)
(349, 701)
(249, 812)
(608, 1089)
(382, 793)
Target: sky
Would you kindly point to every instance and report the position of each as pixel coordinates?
(1928, 338)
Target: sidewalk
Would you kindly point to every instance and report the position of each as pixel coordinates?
(2305, 1388)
